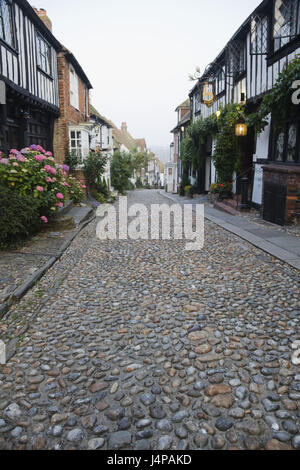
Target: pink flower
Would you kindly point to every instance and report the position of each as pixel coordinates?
(83, 186)
(49, 154)
(39, 158)
(49, 169)
(40, 189)
(21, 159)
(60, 204)
(40, 149)
(60, 196)
(49, 180)
(67, 185)
(14, 152)
(4, 161)
(44, 219)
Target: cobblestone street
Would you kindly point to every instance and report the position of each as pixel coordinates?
(143, 345)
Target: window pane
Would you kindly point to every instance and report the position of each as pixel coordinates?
(279, 145)
(292, 143)
(72, 134)
(7, 32)
(285, 22)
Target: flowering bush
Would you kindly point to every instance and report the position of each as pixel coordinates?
(33, 172)
(19, 217)
(221, 188)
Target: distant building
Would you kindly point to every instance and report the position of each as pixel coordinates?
(173, 169)
(102, 139)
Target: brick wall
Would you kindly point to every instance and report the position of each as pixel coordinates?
(69, 115)
(288, 176)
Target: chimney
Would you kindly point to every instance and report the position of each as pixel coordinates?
(124, 127)
(42, 13)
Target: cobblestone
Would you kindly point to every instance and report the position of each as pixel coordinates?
(143, 345)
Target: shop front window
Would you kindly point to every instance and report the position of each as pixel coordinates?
(292, 143)
(286, 143)
(279, 145)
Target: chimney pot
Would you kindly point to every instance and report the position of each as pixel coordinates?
(42, 14)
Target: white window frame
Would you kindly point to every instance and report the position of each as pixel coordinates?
(74, 88)
(75, 144)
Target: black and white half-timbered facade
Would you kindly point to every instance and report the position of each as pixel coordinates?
(28, 77)
(245, 70)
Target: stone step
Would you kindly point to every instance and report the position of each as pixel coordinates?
(80, 214)
(225, 208)
(64, 210)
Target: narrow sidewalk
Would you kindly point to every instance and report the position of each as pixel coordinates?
(284, 247)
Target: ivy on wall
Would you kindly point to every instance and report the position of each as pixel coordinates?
(192, 151)
(227, 155)
(278, 101)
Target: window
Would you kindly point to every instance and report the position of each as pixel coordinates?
(220, 81)
(7, 32)
(197, 102)
(43, 55)
(76, 144)
(236, 58)
(86, 101)
(286, 22)
(286, 142)
(74, 96)
(259, 35)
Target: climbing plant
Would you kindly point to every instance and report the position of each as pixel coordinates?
(227, 156)
(278, 101)
(192, 151)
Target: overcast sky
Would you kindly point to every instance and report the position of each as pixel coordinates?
(138, 53)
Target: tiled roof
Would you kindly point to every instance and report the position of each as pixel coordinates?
(185, 104)
(93, 111)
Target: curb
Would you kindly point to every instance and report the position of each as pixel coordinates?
(279, 253)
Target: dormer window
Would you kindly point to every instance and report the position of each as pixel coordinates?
(7, 32)
(286, 22)
(43, 54)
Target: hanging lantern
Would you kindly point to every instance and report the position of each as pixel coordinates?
(241, 129)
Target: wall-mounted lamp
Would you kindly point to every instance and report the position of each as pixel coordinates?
(241, 130)
(218, 113)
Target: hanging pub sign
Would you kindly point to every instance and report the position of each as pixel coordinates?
(208, 93)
